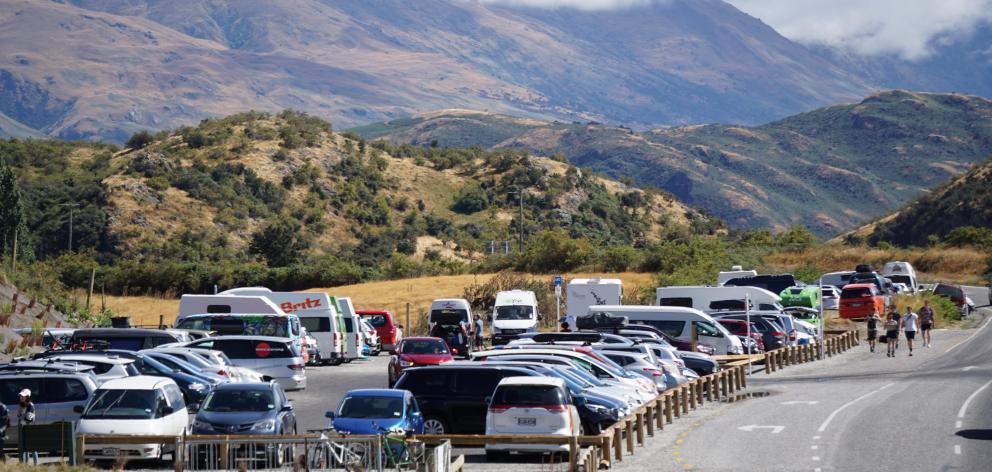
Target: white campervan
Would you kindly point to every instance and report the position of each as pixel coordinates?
(225, 304)
(580, 294)
(352, 329)
(515, 312)
(451, 311)
(678, 322)
(714, 299)
(316, 312)
(734, 272)
(901, 272)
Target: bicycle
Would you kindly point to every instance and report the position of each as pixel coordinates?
(326, 453)
(396, 451)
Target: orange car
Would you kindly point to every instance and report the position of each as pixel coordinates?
(857, 301)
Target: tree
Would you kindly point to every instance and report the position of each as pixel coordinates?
(554, 251)
(281, 243)
(11, 209)
(470, 200)
(140, 139)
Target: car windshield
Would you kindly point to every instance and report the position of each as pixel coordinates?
(371, 407)
(514, 312)
(424, 347)
(124, 404)
(239, 400)
(585, 375)
(901, 279)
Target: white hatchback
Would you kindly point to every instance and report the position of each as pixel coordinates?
(134, 406)
(531, 406)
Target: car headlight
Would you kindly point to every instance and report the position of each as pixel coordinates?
(266, 425)
(197, 424)
(405, 363)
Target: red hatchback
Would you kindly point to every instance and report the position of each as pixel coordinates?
(384, 326)
(417, 352)
(739, 328)
(857, 301)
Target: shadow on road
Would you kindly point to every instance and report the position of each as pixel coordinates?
(979, 434)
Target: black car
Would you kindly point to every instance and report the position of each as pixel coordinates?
(247, 409)
(772, 335)
(454, 398)
(701, 363)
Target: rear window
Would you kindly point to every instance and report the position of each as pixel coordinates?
(43, 390)
(377, 320)
(529, 395)
(252, 349)
(727, 305)
(855, 293)
(479, 383)
(685, 302)
(316, 325)
(669, 327)
(949, 291)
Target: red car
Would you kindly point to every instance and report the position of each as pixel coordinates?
(416, 352)
(384, 326)
(739, 328)
(956, 294)
(857, 301)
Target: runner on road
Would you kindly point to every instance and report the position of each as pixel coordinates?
(873, 320)
(909, 326)
(926, 323)
(891, 334)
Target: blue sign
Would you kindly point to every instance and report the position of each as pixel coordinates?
(557, 281)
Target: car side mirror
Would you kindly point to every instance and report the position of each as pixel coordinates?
(78, 409)
(193, 407)
(329, 415)
(286, 408)
(168, 410)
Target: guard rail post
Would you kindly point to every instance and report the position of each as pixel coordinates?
(629, 432)
(724, 387)
(80, 449)
(742, 376)
(618, 443)
(607, 448)
(692, 395)
(573, 453)
(684, 396)
(732, 378)
(699, 392)
(650, 420)
(668, 406)
(659, 413)
(640, 428)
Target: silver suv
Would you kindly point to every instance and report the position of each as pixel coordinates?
(56, 389)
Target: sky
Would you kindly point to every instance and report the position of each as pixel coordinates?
(910, 29)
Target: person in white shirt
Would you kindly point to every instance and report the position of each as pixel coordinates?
(909, 327)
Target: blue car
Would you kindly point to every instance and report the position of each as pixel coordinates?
(372, 411)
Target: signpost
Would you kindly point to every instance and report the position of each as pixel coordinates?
(820, 331)
(558, 300)
(747, 318)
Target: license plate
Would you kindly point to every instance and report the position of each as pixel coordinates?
(856, 304)
(526, 421)
(111, 451)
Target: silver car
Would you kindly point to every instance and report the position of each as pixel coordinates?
(275, 358)
(642, 365)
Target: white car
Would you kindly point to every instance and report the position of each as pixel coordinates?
(529, 406)
(275, 358)
(134, 406)
(371, 337)
(831, 297)
(242, 374)
(105, 367)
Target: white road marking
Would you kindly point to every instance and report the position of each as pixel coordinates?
(826, 422)
(957, 424)
(814, 447)
(800, 402)
(957, 449)
(966, 369)
(751, 427)
(969, 337)
(815, 438)
(964, 407)
(817, 469)
(816, 458)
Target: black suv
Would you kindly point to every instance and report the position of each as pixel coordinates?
(454, 398)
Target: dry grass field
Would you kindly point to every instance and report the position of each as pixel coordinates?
(959, 265)
(392, 295)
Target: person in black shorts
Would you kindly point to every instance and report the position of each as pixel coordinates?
(872, 321)
(891, 334)
(894, 314)
(926, 323)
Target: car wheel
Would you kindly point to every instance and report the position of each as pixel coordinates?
(434, 425)
(494, 456)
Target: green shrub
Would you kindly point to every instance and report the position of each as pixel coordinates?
(554, 251)
(140, 139)
(470, 199)
(618, 258)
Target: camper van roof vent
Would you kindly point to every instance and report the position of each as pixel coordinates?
(737, 268)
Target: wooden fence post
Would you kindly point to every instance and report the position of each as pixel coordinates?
(629, 432)
(668, 407)
(652, 411)
(640, 428)
(618, 443)
(573, 453)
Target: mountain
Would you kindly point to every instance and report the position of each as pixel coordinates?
(964, 201)
(224, 191)
(831, 169)
(103, 69)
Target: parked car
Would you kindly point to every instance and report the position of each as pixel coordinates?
(372, 411)
(129, 339)
(104, 367)
(641, 365)
(808, 296)
(247, 409)
(385, 327)
(773, 335)
(859, 300)
(836, 279)
(274, 358)
(741, 328)
(133, 406)
(957, 295)
(180, 365)
(831, 297)
(205, 363)
(417, 352)
(371, 338)
(313, 350)
(530, 405)
(56, 390)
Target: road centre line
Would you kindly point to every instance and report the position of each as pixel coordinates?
(964, 407)
(826, 422)
(958, 424)
(957, 449)
(969, 337)
(966, 369)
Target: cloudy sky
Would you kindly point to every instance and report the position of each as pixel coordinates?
(908, 28)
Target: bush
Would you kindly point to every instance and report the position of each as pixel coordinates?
(970, 236)
(618, 258)
(140, 139)
(554, 251)
(470, 199)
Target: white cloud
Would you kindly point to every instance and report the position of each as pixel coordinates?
(911, 29)
(589, 5)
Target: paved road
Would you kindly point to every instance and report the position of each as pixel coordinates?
(326, 385)
(858, 411)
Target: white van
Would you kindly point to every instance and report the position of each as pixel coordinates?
(734, 273)
(316, 312)
(713, 299)
(677, 322)
(515, 312)
(901, 272)
(451, 311)
(225, 304)
(352, 329)
(580, 294)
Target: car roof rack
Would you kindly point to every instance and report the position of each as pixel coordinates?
(580, 336)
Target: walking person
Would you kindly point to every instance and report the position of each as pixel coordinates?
(478, 332)
(872, 321)
(25, 416)
(926, 323)
(891, 334)
(909, 327)
(894, 313)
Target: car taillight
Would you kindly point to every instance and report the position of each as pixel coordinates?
(653, 372)
(223, 372)
(778, 334)
(792, 335)
(295, 366)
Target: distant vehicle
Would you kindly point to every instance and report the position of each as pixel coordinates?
(740, 328)
(773, 335)
(859, 300)
(735, 272)
(245, 409)
(129, 339)
(243, 324)
(807, 296)
(352, 329)
(275, 358)
(51, 337)
(313, 348)
(531, 405)
(641, 365)
(580, 294)
(514, 312)
(374, 411)
(715, 299)
(679, 323)
(104, 367)
(227, 304)
(957, 295)
(864, 274)
(385, 327)
(772, 283)
(417, 352)
(836, 279)
(133, 406)
(831, 297)
(901, 272)
(55, 391)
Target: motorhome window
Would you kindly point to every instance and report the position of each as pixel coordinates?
(902, 279)
(218, 309)
(514, 312)
(671, 328)
(705, 328)
(736, 305)
(448, 315)
(684, 302)
(348, 326)
(316, 324)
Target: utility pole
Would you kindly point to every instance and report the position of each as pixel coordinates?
(520, 222)
(71, 207)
